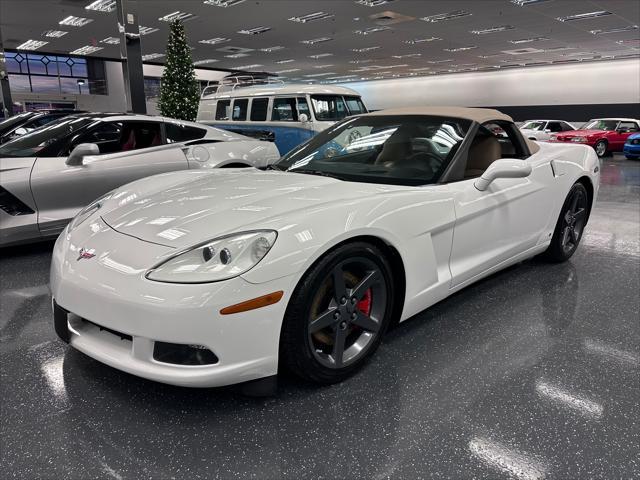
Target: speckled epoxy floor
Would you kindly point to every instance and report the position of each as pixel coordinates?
(532, 373)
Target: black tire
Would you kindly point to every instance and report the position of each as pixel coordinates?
(601, 148)
(310, 354)
(570, 225)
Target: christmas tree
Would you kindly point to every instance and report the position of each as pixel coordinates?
(179, 90)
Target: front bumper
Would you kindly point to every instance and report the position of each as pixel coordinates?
(104, 307)
(631, 150)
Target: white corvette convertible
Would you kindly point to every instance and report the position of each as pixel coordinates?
(208, 278)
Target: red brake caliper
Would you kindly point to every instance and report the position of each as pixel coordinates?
(364, 305)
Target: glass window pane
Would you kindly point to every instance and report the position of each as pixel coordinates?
(259, 109)
(44, 84)
(13, 66)
(222, 109)
(36, 65)
(69, 85)
(284, 110)
(240, 109)
(303, 107)
(79, 70)
(329, 108)
(63, 67)
(19, 83)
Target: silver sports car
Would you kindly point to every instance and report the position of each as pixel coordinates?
(48, 175)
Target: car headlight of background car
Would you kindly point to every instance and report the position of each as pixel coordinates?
(579, 139)
(89, 210)
(219, 259)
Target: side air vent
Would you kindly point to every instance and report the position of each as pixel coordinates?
(13, 205)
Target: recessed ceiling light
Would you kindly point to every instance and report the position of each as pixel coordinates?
(365, 49)
(313, 41)
(54, 33)
(370, 30)
(341, 77)
(237, 55)
(440, 61)
(524, 3)
(323, 74)
(421, 69)
(254, 31)
(528, 40)
(460, 49)
(86, 50)
(151, 56)
(110, 40)
(288, 70)
(446, 16)
(628, 28)
(310, 17)
(177, 15)
(408, 55)
(324, 66)
(584, 16)
(272, 49)
(205, 61)
(215, 41)
(366, 60)
(490, 55)
(373, 3)
(223, 3)
(244, 67)
(422, 40)
(288, 60)
(75, 21)
(559, 49)
(146, 30)
(500, 28)
(321, 55)
(31, 45)
(102, 6)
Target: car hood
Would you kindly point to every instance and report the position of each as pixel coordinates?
(196, 208)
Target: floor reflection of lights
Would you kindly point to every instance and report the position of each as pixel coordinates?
(566, 398)
(516, 464)
(601, 348)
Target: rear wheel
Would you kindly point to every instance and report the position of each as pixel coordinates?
(601, 148)
(570, 225)
(338, 314)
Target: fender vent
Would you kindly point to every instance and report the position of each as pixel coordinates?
(12, 205)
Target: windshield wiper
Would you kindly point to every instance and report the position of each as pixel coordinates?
(320, 173)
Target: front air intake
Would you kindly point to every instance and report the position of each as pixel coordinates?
(179, 354)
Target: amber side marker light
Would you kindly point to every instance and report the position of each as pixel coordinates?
(254, 303)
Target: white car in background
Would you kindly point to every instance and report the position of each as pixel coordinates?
(541, 130)
(209, 278)
(50, 174)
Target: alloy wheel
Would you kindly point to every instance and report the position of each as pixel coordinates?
(347, 312)
(574, 220)
(601, 149)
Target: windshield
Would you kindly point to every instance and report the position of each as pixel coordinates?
(394, 149)
(533, 125)
(10, 122)
(46, 140)
(600, 125)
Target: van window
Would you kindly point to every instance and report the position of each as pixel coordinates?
(284, 110)
(259, 109)
(329, 108)
(355, 105)
(240, 109)
(222, 109)
(303, 107)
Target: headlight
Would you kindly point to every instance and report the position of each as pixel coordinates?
(218, 259)
(579, 139)
(89, 210)
(553, 137)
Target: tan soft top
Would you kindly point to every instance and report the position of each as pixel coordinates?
(480, 115)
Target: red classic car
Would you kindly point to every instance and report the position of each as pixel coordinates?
(603, 134)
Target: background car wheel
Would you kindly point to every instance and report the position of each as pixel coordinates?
(601, 148)
(338, 313)
(570, 225)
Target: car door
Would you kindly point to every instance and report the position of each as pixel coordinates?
(129, 150)
(511, 217)
(618, 137)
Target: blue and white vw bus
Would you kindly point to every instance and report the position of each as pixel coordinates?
(285, 114)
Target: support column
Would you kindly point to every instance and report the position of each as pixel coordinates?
(5, 92)
(131, 55)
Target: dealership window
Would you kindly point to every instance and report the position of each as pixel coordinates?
(259, 108)
(37, 73)
(240, 109)
(222, 109)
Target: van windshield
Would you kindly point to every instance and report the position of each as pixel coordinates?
(329, 108)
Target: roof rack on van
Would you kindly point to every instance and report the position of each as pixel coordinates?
(230, 83)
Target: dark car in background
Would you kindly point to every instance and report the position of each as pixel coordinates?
(26, 122)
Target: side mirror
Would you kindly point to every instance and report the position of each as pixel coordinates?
(504, 168)
(20, 131)
(80, 151)
(303, 117)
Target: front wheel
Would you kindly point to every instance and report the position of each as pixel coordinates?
(570, 225)
(338, 314)
(601, 148)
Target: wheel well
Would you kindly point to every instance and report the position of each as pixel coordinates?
(397, 267)
(586, 182)
(235, 165)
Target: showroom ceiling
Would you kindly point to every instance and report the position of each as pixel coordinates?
(343, 40)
